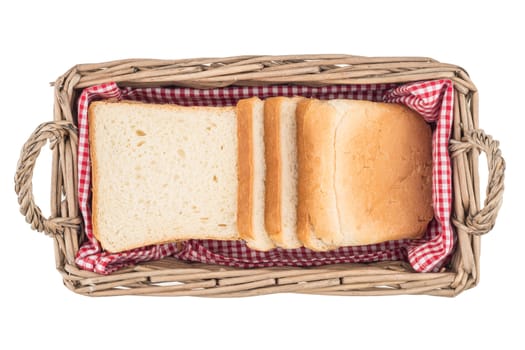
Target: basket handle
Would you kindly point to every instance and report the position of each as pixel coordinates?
(54, 132)
(483, 221)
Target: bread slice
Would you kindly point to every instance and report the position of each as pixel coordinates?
(162, 173)
(371, 166)
(313, 173)
(252, 169)
(281, 171)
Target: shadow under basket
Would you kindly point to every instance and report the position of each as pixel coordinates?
(170, 276)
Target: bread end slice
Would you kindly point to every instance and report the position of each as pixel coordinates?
(383, 177)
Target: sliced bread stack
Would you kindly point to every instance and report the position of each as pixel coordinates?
(284, 172)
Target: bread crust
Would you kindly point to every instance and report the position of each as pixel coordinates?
(365, 172)
(94, 169)
(383, 176)
(310, 215)
(245, 168)
(273, 195)
(320, 125)
(279, 178)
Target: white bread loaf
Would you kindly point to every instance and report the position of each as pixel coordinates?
(365, 173)
(252, 170)
(162, 173)
(286, 172)
(281, 171)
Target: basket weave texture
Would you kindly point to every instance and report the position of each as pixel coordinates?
(172, 277)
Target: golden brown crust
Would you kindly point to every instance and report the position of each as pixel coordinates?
(384, 173)
(272, 152)
(302, 189)
(245, 168)
(318, 134)
(309, 208)
(94, 169)
(364, 173)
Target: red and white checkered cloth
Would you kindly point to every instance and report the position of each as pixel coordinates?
(432, 99)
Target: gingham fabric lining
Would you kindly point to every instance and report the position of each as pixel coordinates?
(432, 99)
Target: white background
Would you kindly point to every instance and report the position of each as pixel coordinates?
(41, 40)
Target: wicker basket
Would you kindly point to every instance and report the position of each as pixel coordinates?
(172, 277)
